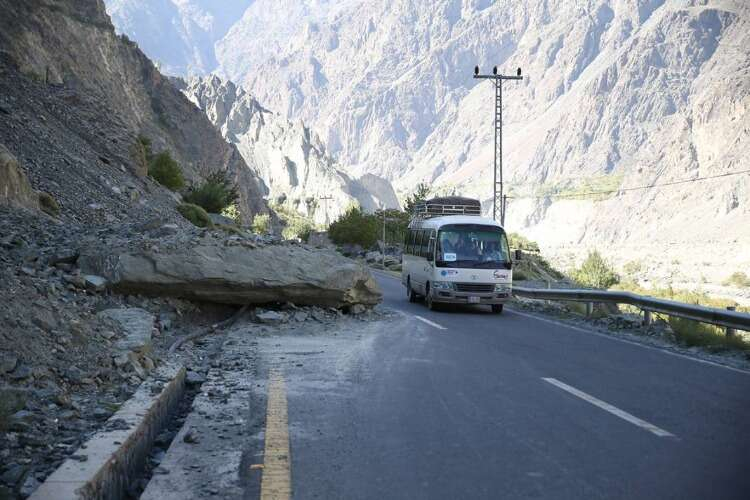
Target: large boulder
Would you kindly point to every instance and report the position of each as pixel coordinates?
(238, 275)
(15, 189)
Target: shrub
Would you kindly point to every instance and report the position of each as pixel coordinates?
(519, 242)
(233, 212)
(195, 214)
(261, 224)
(738, 279)
(299, 228)
(355, 227)
(215, 194)
(48, 204)
(166, 171)
(632, 268)
(596, 272)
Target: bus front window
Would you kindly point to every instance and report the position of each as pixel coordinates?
(472, 247)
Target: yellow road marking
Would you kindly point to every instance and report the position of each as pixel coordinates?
(277, 477)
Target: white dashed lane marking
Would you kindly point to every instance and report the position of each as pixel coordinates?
(609, 408)
(431, 323)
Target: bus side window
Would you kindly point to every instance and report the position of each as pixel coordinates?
(425, 242)
(430, 245)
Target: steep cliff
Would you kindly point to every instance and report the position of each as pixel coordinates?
(106, 92)
(289, 157)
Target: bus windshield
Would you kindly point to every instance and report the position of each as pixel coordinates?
(472, 246)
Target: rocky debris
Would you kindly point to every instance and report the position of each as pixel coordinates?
(237, 271)
(94, 283)
(15, 189)
(134, 324)
(271, 317)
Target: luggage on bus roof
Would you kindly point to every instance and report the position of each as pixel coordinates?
(453, 200)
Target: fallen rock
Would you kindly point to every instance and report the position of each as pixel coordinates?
(271, 317)
(135, 324)
(238, 275)
(94, 283)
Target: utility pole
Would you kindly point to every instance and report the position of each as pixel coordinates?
(325, 206)
(383, 209)
(498, 198)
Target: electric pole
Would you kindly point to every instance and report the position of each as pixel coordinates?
(383, 235)
(498, 198)
(325, 206)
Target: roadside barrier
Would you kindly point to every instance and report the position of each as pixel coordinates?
(730, 319)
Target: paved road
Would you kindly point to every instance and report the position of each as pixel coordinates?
(482, 406)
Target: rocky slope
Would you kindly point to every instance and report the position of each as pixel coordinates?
(289, 157)
(96, 93)
(618, 94)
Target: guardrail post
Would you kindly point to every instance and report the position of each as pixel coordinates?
(647, 319)
(589, 309)
(730, 331)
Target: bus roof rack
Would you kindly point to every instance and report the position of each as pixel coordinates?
(448, 205)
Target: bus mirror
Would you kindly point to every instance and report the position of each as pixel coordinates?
(519, 255)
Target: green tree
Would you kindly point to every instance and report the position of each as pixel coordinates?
(419, 195)
(215, 194)
(166, 171)
(355, 227)
(596, 272)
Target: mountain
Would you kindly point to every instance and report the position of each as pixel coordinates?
(288, 156)
(617, 94)
(90, 94)
(178, 34)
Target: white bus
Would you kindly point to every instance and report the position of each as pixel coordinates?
(452, 255)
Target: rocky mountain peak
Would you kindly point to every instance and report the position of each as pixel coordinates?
(289, 157)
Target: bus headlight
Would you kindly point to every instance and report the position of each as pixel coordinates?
(502, 287)
(442, 285)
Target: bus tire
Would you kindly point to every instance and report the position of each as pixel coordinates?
(410, 291)
(497, 308)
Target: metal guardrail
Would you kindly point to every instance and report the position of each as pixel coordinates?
(730, 319)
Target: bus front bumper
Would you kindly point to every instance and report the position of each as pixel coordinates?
(454, 297)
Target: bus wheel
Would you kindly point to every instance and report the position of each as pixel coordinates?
(410, 291)
(497, 308)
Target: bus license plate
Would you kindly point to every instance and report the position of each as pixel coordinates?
(474, 300)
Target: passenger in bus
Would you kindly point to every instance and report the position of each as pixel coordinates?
(492, 252)
(449, 242)
(466, 249)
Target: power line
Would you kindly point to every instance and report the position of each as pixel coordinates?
(637, 188)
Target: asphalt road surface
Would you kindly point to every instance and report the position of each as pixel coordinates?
(467, 404)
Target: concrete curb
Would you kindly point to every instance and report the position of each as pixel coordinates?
(109, 460)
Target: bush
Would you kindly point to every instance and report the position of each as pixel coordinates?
(596, 272)
(195, 214)
(261, 224)
(518, 242)
(48, 204)
(356, 228)
(215, 194)
(233, 212)
(166, 171)
(738, 279)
